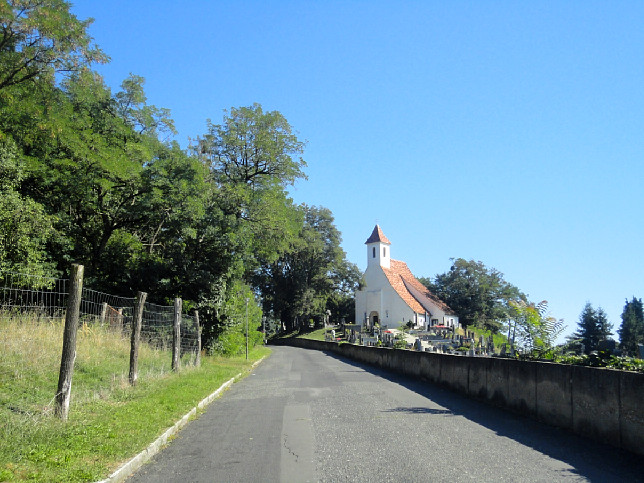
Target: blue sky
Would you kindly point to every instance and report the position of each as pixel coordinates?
(501, 131)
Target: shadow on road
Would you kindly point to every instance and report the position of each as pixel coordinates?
(584, 455)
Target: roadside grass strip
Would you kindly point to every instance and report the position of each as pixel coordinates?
(109, 420)
(144, 456)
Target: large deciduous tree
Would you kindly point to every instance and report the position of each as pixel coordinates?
(312, 277)
(253, 157)
(250, 220)
(478, 295)
(631, 332)
(91, 169)
(253, 147)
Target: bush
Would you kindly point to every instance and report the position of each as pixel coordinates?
(603, 359)
(233, 342)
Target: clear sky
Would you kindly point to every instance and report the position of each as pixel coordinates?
(501, 131)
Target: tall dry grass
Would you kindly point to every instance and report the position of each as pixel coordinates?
(30, 352)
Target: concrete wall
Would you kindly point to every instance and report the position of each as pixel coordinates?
(602, 404)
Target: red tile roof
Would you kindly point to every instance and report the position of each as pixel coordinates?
(377, 236)
(400, 277)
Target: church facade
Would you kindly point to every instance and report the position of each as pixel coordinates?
(392, 296)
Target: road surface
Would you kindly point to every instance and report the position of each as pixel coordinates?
(305, 415)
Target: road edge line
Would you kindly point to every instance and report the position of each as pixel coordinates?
(127, 469)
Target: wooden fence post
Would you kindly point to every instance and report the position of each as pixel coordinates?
(63, 394)
(198, 356)
(103, 313)
(176, 335)
(136, 336)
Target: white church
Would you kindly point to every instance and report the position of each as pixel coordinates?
(392, 296)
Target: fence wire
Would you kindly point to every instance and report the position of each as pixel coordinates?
(157, 328)
(47, 297)
(36, 307)
(40, 296)
(109, 311)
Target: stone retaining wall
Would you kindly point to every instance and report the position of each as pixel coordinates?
(602, 404)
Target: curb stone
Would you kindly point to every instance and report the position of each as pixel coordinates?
(127, 469)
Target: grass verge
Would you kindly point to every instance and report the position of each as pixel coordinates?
(109, 421)
(318, 334)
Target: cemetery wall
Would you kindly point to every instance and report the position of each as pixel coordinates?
(602, 404)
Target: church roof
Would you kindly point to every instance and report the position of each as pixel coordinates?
(414, 293)
(377, 236)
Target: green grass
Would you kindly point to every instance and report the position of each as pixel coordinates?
(317, 334)
(109, 421)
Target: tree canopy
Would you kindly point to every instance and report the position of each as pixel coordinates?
(93, 177)
(40, 38)
(631, 331)
(479, 295)
(593, 327)
(25, 228)
(532, 329)
(313, 276)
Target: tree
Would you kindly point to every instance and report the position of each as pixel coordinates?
(94, 166)
(158, 252)
(253, 157)
(533, 331)
(477, 294)
(25, 228)
(302, 283)
(631, 332)
(593, 327)
(254, 148)
(341, 303)
(249, 220)
(40, 38)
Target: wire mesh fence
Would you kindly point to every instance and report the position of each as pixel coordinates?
(157, 329)
(40, 296)
(108, 311)
(32, 315)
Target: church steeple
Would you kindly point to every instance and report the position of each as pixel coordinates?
(378, 249)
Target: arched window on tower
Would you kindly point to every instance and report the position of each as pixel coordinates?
(374, 252)
(384, 251)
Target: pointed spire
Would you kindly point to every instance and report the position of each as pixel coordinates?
(377, 236)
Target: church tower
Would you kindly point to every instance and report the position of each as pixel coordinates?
(378, 252)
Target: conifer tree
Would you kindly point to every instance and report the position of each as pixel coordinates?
(593, 327)
(631, 333)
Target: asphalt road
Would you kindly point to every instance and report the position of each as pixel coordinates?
(310, 416)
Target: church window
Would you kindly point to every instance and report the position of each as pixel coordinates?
(384, 251)
(374, 252)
